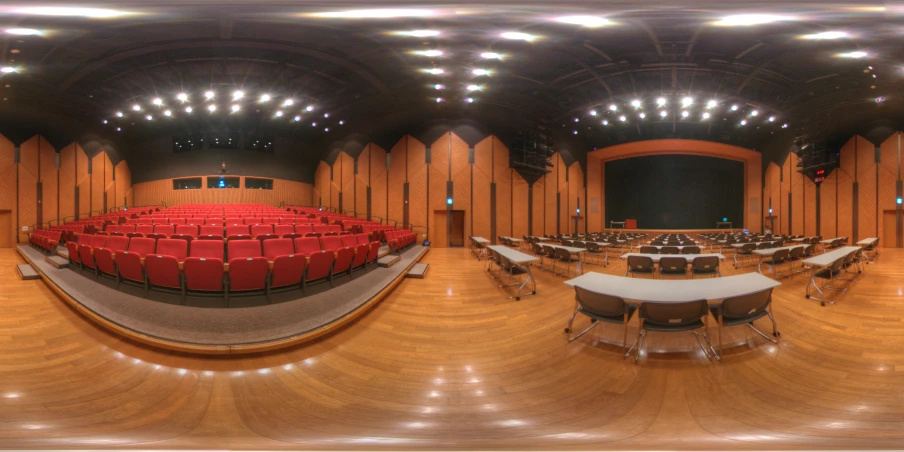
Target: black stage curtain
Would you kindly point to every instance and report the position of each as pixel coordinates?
(675, 191)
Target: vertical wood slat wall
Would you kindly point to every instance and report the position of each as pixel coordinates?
(284, 191)
(473, 183)
(842, 212)
(57, 174)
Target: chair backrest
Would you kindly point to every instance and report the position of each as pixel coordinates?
(649, 250)
(597, 303)
(142, 246)
(118, 243)
(211, 230)
(236, 229)
(207, 248)
(747, 305)
(303, 228)
(261, 229)
(690, 250)
(748, 247)
(675, 315)
(283, 229)
(307, 245)
(640, 263)
(278, 247)
(240, 249)
(172, 247)
(187, 229)
(330, 243)
(348, 240)
(669, 250)
(781, 254)
(705, 263)
(673, 264)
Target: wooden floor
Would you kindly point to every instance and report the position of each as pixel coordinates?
(449, 362)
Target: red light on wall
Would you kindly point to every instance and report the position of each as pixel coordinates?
(822, 171)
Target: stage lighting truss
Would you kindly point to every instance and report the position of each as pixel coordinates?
(530, 153)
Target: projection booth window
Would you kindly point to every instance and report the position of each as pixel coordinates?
(190, 183)
(255, 183)
(223, 182)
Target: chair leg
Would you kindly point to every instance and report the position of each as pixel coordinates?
(641, 335)
(593, 323)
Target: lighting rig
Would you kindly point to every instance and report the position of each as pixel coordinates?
(530, 153)
(817, 158)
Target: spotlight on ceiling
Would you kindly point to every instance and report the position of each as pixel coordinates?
(593, 113)
(105, 121)
(685, 114)
(429, 53)
(209, 95)
(212, 108)
(93, 13)
(687, 101)
(743, 122)
(288, 103)
(434, 71)
(326, 129)
(119, 114)
(613, 107)
(265, 98)
(518, 36)
(188, 109)
(635, 103)
(418, 33)
(605, 122)
(784, 126)
(343, 122)
(439, 87)
(772, 119)
(235, 108)
(149, 117)
(712, 104)
(313, 124)
(278, 113)
(663, 114)
(827, 35)
(479, 72)
(473, 88)
(310, 108)
(326, 115)
(706, 115)
(297, 119)
(584, 21)
(734, 107)
(854, 54)
(136, 107)
(576, 119)
(182, 97)
(385, 13)
(167, 113)
(642, 115)
(439, 99)
(745, 20)
(119, 129)
(661, 102)
(22, 31)
(622, 118)
(238, 95)
(157, 101)
(491, 56)
(469, 100)
(755, 113)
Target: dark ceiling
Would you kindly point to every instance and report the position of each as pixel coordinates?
(80, 71)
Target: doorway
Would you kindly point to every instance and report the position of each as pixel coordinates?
(6, 228)
(448, 228)
(889, 229)
(457, 231)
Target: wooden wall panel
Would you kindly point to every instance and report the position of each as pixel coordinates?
(539, 212)
(502, 175)
(362, 181)
(809, 207)
(461, 179)
(519, 205)
(417, 185)
(396, 177)
(888, 177)
(67, 182)
(347, 182)
(551, 182)
(336, 183)
(564, 218)
(483, 177)
(83, 179)
(785, 191)
(377, 182)
(772, 195)
(576, 196)
(439, 176)
(29, 158)
(109, 186)
(49, 182)
(845, 173)
(828, 206)
(161, 191)
(123, 184)
(595, 181)
(97, 183)
(322, 185)
(866, 192)
(8, 182)
(797, 197)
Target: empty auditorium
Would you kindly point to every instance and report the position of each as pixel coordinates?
(422, 225)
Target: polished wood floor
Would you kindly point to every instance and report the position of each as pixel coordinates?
(449, 362)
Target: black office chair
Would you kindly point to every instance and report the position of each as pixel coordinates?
(565, 257)
(673, 266)
(673, 318)
(779, 257)
(745, 251)
(640, 265)
(593, 249)
(744, 310)
(602, 308)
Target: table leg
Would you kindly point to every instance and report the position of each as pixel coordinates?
(759, 264)
(530, 277)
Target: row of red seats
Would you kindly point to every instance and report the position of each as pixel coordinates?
(45, 240)
(195, 231)
(219, 220)
(400, 239)
(252, 265)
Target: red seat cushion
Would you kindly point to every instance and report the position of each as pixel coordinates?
(248, 273)
(203, 273)
(287, 270)
(163, 270)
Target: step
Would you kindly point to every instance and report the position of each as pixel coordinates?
(57, 261)
(26, 272)
(417, 271)
(388, 261)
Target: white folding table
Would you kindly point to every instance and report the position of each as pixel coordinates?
(521, 259)
(769, 252)
(822, 261)
(482, 246)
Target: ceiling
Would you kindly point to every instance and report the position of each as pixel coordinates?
(81, 71)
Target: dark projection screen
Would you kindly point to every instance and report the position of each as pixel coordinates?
(675, 191)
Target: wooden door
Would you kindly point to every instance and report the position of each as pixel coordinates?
(890, 227)
(439, 234)
(457, 237)
(6, 229)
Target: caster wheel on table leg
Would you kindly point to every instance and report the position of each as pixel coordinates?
(567, 330)
(777, 333)
(517, 298)
(808, 296)
(822, 303)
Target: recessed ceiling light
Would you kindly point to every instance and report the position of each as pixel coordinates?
(22, 31)
(855, 54)
(827, 35)
(743, 20)
(661, 101)
(288, 103)
(772, 119)
(297, 118)
(439, 87)
(326, 115)
(635, 103)
(326, 129)
(94, 13)
(105, 121)
(622, 118)
(8, 69)
(157, 101)
(663, 114)
(313, 124)
(279, 113)
(642, 115)
(711, 104)
(136, 107)
(685, 114)
(584, 21)
(518, 36)
(238, 95)
(168, 113)
(341, 122)
(734, 107)
(605, 122)
(209, 95)
(119, 114)
(119, 129)
(687, 101)
(473, 88)
(385, 13)
(469, 100)
(418, 33)
(188, 109)
(182, 97)
(439, 99)
(491, 56)
(706, 115)
(784, 126)
(310, 108)
(576, 120)
(613, 107)
(434, 71)
(755, 113)
(429, 53)
(235, 108)
(265, 98)
(212, 108)
(743, 122)
(593, 113)
(149, 117)
(479, 72)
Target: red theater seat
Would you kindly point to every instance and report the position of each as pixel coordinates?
(187, 229)
(204, 266)
(250, 221)
(278, 247)
(261, 229)
(284, 230)
(334, 228)
(270, 221)
(360, 256)
(319, 268)
(303, 229)
(217, 223)
(177, 221)
(162, 268)
(361, 239)
(74, 257)
(165, 230)
(113, 229)
(321, 228)
(348, 241)
(144, 230)
(238, 230)
(195, 221)
(126, 229)
(307, 245)
(287, 220)
(373, 253)
(248, 269)
(233, 221)
(288, 270)
(211, 230)
(330, 243)
(343, 262)
(103, 257)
